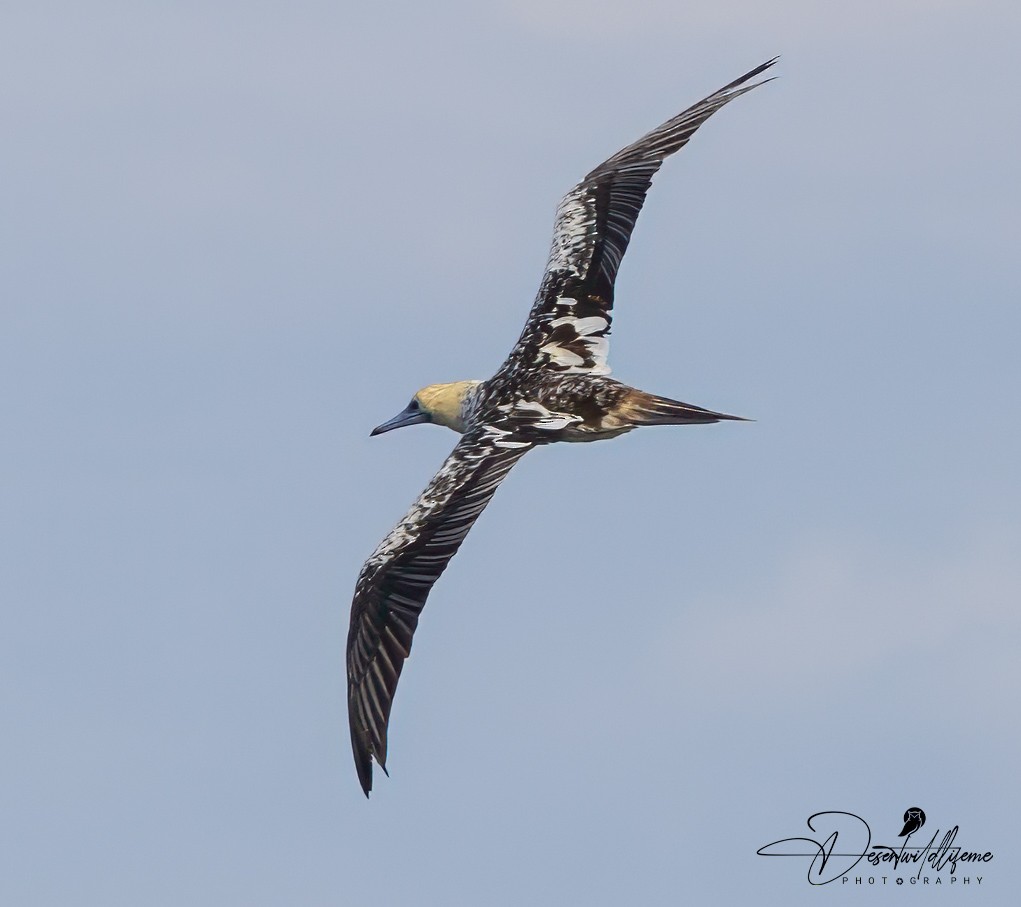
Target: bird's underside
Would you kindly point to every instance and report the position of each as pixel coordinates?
(552, 387)
(554, 407)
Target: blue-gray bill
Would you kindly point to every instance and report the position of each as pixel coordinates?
(410, 415)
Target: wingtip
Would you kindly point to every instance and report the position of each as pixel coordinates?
(362, 756)
(751, 74)
(764, 66)
(365, 773)
(365, 777)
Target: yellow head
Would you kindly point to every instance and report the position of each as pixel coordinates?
(439, 403)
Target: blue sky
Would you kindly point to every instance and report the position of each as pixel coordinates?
(237, 236)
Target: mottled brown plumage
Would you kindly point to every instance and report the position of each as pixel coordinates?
(552, 387)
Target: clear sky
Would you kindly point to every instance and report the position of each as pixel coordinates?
(236, 236)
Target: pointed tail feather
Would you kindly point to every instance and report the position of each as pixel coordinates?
(649, 409)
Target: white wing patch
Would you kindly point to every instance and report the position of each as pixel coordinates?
(591, 325)
(579, 344)
(538, 416)
(498, 437)
(559, 356)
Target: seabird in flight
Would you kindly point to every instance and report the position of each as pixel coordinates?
(552, 387)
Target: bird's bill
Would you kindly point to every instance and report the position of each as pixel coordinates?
(407, 416)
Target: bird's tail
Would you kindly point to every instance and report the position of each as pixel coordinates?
(648, 409)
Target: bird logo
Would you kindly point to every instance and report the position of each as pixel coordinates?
(914, 819)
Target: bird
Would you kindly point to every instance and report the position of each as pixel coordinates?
(554, 386)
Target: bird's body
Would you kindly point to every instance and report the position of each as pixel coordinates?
(553, 387)
(553, 407)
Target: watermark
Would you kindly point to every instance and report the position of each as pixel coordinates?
(842, 850)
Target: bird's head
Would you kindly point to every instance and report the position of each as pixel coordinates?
(439, 403)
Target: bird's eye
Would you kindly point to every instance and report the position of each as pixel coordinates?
(413, 405)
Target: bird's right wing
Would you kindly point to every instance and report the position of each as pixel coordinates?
(395, 581)
(569, 324)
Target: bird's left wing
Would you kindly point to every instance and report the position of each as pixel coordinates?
(568, 326)
(396, 579)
